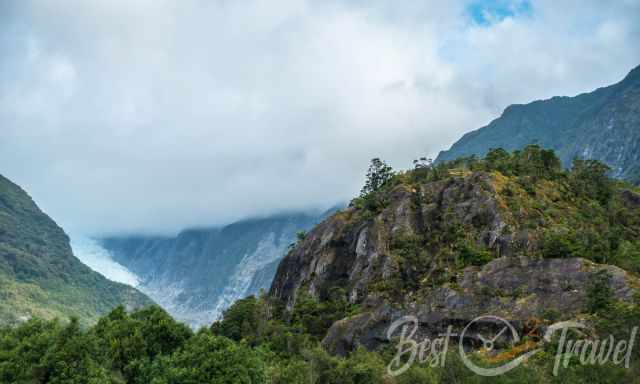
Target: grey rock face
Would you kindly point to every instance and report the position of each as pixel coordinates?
(516, 289)
(632, 198)
(354, 255)
(357, 250)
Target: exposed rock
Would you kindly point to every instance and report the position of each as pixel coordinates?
(631, 197)
(354, 254)
(447, 251)
(519, 290)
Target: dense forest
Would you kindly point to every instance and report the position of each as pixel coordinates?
(252, 344)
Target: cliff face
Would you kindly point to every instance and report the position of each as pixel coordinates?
(602, 125)
(40, 276)
(471, 243)
(200, 272)
(354, 251)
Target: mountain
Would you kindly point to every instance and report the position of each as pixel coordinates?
(421, 257)
(40, 276)
(602, 125)
(514, 236)
(200, 272)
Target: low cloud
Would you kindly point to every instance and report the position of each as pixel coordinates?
(151, 117)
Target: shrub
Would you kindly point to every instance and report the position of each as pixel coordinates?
(628, 256)
(557, 245)
(589, 178)
(315, 317)
(470, 255)
(599, 292)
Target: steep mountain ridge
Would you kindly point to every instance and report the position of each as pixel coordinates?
(602, 125)
(200, 272)
(512, 236)
(40, 276)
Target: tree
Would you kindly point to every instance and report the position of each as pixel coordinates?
(599, 293)
(241, 320)
(207, 358)
(71, 358)
(130, 341)
(537, 162)
(498, 159)
(378, 174)
(589, 178)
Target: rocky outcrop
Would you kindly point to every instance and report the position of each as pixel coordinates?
(632, 198)
(448, 251)
(353, 253)
(518, 289)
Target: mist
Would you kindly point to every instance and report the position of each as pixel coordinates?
(151, 117)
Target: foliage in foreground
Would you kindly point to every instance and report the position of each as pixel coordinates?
(255, 342)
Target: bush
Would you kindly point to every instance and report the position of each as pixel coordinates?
(470, 255)
(589, 178)
(628, 256)
(293, 372)
(557, 245)
(315, 317)
(599, 292)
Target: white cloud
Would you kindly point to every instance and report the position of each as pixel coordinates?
(155, 116)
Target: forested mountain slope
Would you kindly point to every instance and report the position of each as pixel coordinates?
(602, 125)
(40, 276)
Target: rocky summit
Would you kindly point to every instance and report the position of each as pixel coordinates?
(513, 235)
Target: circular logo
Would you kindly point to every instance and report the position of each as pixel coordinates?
(489, 343)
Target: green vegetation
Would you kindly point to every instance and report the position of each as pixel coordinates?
(146, 346)
(600, 295)
(579, 212)
(314, 317)
(39, 276)
(256, 341)
(378, 176)
(572, 126)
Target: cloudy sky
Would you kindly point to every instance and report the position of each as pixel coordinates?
(151, 116)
